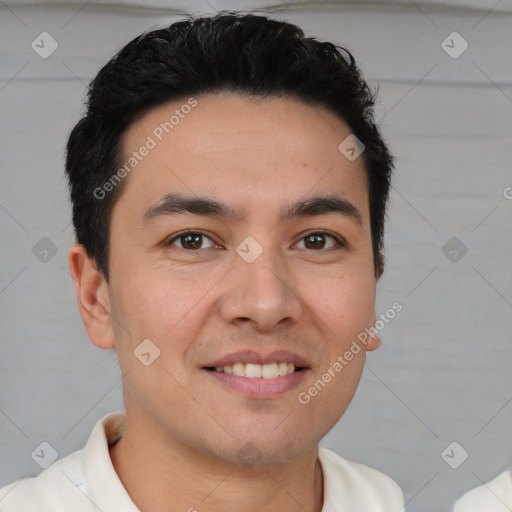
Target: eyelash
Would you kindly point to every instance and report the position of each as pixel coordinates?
(340, 243)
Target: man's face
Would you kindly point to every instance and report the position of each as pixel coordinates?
(251, 289)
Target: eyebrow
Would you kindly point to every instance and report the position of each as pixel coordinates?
(177, 204)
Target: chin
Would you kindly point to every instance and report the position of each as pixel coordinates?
(264, 449)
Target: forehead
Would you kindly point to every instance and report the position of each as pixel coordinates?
(249, 152)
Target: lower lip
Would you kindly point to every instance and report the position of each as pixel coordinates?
(260, 388)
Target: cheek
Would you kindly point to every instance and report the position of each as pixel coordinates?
(346, 304)
(154, 306)
(164, 308)
(149, 308)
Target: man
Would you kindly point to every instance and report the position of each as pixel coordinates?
(229, 190)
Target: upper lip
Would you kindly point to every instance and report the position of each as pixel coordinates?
(254, 357)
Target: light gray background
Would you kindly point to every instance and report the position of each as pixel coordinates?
(443, 373)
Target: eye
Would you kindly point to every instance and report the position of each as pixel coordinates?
(193, 241)
(190, 240)
(316, 240)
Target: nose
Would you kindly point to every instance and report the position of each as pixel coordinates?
(261, 293)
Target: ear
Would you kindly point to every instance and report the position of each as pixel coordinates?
(373, 341)
(92, 297)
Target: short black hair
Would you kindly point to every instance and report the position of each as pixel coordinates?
(246, 54)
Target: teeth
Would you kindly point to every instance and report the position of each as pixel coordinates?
(269, 371)
(283, 368)
(256, 371)
(253, 371)
(239, 369)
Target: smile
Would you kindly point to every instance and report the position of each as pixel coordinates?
(257, 371)
(257, 381)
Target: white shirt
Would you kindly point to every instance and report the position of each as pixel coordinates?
(494, 496)
(86, 481)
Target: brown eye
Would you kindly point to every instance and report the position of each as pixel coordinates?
(190, 240)
(317, 241)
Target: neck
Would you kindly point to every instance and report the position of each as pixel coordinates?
(160, 473)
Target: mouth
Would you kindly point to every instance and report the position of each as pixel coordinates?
(257, 376)
(257, 371)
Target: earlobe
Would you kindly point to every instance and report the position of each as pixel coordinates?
(92, 297)
(373, 342)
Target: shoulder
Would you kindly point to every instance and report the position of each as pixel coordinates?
(494, 496)
(57, 485)
(351, 484)
(71, 480)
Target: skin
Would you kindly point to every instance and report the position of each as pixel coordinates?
(185, 430)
